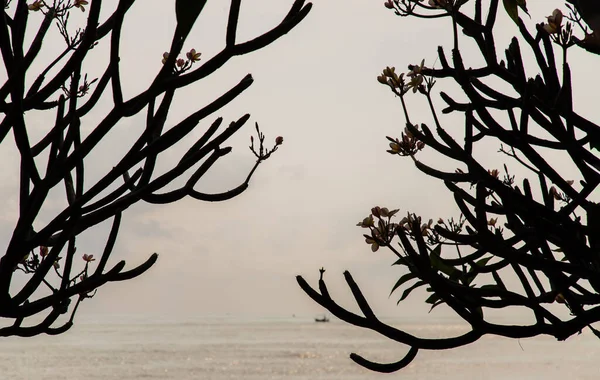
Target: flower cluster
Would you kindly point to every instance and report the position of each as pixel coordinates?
(390, 78)
(32, 260)
(560, 196)
(263, 153)
(79, 4)
(397, 82)
(383, 231)
(181, 64)
(408, 145)
(439, 4)
(416, 78)
(38, 5)
(554, 22)
(412, 219)
(82, 90)
(494, 173)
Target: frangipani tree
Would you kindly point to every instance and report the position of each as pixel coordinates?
(45, 253)
(528, 242)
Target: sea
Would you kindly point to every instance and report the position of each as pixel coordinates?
(298, 348)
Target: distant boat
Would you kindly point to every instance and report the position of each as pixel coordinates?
(323, 319)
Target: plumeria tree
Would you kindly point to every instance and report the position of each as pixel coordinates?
(525, 238)
(41, 272)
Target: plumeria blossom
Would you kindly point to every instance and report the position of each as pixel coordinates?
(279, 140)
(183, 64)
(36, 5)
(408, 145)
(415, 83)
(383, 212)
(373, 243)
(390, 78)
(416, 77)
(440, 4)
(80, 3)
(408, 221)
(88, 258)
(367, 222)
(557, 195)
(554, 22)
(193, 56)
(494, 172)
(417, 70)
(383, 231)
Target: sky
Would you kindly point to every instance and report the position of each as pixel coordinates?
(317, 88)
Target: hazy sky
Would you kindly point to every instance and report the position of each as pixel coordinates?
(317, 88)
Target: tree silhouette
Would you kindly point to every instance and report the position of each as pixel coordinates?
(529, 243)
(46, 252)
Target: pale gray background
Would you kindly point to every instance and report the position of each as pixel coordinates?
(317, 88)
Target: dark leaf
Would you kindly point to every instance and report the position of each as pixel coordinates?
(407, 291)
(491, 287)
(436, 304)
(186, 12)
(472, 271)
(402, 280)
(438, 263)
(433, 298)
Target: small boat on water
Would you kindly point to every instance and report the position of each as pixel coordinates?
(322, 319)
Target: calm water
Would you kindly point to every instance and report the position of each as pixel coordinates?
(227, 348)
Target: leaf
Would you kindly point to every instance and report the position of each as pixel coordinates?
(407, 261)
(186, 12)
(407, 291)
(433, 298)
(438, 263)
(402, 280)
(436, 304)
(472, 271)
(491, 287)
(481, 263)
(498, 280)
(512, 8)
(596, 332)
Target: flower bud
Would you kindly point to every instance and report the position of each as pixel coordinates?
(376, 211)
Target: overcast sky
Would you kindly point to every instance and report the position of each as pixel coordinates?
(317, 88)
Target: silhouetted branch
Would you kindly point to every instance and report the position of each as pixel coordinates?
(537, 236)
(48, 255)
